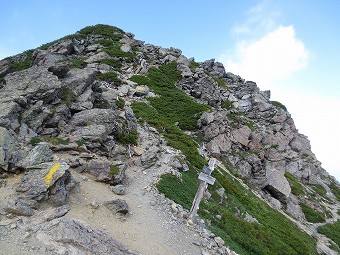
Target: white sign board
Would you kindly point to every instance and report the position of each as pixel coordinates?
(206, 178)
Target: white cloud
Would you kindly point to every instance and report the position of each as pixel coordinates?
(276, 55)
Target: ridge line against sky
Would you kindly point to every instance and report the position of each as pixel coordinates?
(288, 47)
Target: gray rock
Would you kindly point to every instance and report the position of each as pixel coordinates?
(74, 237)
(8, 150)
(97, 57)
(104, 171)
(117, 206)
(45, 58)
(241, 135)
(39, 154)
(141, 90)
(277, 185)
(79, 79)
(64, 47)
(106, 117)
(219, 145)
(60, 70)
(46, 181)
(300, 143)
(119, 189)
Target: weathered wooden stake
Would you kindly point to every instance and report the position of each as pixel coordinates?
(206, 179)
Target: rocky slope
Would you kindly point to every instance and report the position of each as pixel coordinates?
(99, 110)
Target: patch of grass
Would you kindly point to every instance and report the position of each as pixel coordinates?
(120, 102)
(80, 142)
(173, 104)
(116, 64)
(338, 212)
(334, 247)
(66, 95)
(226, 104)
(35, 140)
(114, 169)
(335, 190)
(111, 32)
(274, 234)
(115, 51)
(105, 42)
(57, 140)
(102, 104)
(311, 214)
(278, 105)
(251, 125)
(22, 65)
(110, 77)
(194, 65)
(183, 190)
(295, 185)
(319, 189)
(78, 63)
(332, 231)
(220, 82)
(127, 138)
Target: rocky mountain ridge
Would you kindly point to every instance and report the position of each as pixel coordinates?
(100, 103)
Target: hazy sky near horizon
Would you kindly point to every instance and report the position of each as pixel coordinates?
(289, 47)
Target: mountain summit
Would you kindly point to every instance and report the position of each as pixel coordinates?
(102, 140)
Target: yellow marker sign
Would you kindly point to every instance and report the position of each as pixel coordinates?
(49, 176)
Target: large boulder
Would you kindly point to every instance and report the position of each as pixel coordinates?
(74, 237)
(46, 181)
(9, 153)
(105, 171)
(79, 79)
(39, 154)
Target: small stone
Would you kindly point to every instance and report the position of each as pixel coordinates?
(94, 205)
(119, 189)
(118, 206)
(219, 241)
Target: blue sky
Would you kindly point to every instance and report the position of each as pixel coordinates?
(289, 47)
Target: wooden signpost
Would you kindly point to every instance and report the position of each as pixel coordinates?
(206, 179)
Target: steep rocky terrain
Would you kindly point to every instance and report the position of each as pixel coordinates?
(102, 137)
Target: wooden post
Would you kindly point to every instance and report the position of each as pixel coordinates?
(206, 179)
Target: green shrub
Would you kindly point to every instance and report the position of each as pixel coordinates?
(278, 105)
(22, 65)
(114, 169)
(35, 140)
(127, 138)
(110, 31)
(102, 104)
(109, 77)
(66, 95)
(78, 63)
(274, 234)
(338, 212)
(311, 214)
(173, 104)
(116, 64)
(319, 189)
(220, 82)
(120, 102)
(226, 104)
(335, 190)
(297, 188)
(332, 231)
(115, 51)
(194, 65)
(105, 42)
(80, 142)
(57, 140)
